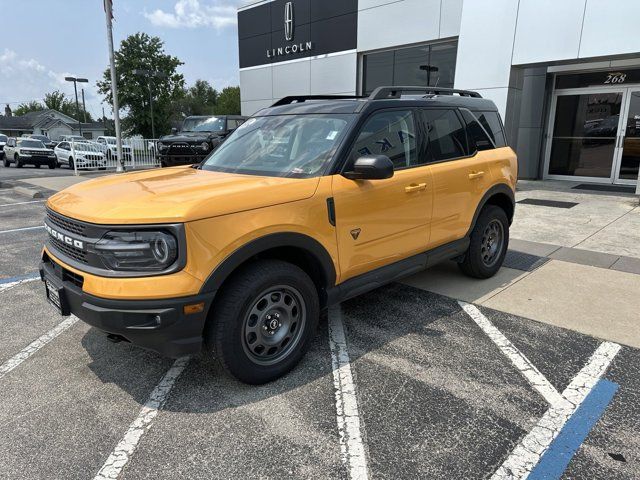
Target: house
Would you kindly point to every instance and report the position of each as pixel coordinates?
(48, 122)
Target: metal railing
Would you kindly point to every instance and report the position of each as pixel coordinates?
(89, 155)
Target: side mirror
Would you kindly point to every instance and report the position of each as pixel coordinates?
(371, 167)
(174, 130)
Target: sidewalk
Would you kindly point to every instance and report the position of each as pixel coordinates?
(593, 289)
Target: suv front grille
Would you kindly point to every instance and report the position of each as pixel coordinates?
(69, 250)
(66, 223)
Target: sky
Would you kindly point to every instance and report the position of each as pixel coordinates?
(42, 41)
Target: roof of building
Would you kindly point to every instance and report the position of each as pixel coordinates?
(44, 119)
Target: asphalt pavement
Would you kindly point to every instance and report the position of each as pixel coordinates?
(419, 386)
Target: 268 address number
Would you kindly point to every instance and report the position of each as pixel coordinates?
(615, 78)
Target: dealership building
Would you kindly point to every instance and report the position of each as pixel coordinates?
(565, 75)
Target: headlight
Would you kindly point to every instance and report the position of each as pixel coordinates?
(142, 251)
(204, 146)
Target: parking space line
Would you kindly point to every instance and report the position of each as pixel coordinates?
(125, 448)
(519, 360)
(36, 345)
(22, 229)
(541, 440)
(22, 203)
(7, 283)
(351, 443)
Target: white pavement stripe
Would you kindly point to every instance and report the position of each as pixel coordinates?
(351, 443)
(8, 285)
(124, 450)
(524, 458)
(21, 229)
(36, 345)
(521, 362)
(21, 203)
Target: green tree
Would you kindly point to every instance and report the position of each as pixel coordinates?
(24, 108)
(228, 101)
(199, 99)
(57, 100)
(141, 51)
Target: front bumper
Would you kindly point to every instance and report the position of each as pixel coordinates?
(157, 325)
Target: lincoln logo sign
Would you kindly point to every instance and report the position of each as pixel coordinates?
(288, 36)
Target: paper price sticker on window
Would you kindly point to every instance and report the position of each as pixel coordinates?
(332, 135)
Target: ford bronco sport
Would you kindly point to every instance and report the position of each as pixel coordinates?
(310, 202)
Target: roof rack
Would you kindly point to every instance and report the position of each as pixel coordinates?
(303, 98)
(381, 93)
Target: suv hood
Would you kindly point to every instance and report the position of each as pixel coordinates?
(179, 194)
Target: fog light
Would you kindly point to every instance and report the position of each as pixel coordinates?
(194, 308)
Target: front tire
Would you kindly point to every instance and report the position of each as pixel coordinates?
(7, 163)
(489, 243)
(263, 320)
(71, 165)
(52, 165)
(18, 161)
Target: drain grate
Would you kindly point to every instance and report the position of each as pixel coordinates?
(547, 203)
(523, 261)
(605, 188)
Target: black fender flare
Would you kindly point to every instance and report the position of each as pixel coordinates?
(267, 242)
(501, 188)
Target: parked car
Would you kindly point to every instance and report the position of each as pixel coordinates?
(3, 142)
(73, 138)
(83, 154)
(310, 203)
(43, 138)
(110, 148)
(198, 137)
(27, 151)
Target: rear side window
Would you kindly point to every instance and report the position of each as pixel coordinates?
(446, 138)
(491, 123)
(479, 138)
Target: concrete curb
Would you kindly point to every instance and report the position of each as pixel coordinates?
(30, 192)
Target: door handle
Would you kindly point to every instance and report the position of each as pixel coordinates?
(415, 187)
(473, 175)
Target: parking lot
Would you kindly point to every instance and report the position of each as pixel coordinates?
(399, 383)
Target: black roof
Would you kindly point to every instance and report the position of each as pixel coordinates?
(380, 97)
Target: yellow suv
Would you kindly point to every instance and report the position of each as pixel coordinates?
(310, 202)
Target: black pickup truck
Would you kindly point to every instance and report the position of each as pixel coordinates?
(198, 136)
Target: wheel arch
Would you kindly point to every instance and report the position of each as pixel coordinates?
(296, 248)
(500, 195)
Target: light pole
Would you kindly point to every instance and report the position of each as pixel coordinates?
(149, 74)
(75, 88)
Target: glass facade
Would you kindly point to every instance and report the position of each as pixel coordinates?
(426, 65)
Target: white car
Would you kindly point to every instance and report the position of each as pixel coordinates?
(3, 142)
(110, 147)
(26, 151)
(83, 154)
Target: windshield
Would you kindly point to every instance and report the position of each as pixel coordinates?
(209, 124)
(40, 137)
(3, 138)
(280, 146)
(30, 143)
(110, 141)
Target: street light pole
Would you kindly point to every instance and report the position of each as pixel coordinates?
(149, 74)
(75, 81)
(84, 108)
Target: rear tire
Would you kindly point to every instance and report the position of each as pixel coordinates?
(489, 243)
(263, 321)
(37, 165)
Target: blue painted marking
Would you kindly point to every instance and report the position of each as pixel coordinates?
(555, 460)
(28, 276)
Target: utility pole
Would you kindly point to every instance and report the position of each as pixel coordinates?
(84, 107)
(75, 81)
(108, 11)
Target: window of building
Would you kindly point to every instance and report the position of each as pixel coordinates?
(446, 135)
(391, 133)
(425, 65)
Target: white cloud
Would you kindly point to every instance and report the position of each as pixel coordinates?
(26, 79)
(195, 14)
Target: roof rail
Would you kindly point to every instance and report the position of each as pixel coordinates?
(303, 98)
(381, 93)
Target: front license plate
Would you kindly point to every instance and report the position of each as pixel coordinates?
(54, 295)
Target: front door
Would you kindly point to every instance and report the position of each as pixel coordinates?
(628, 155)
(379, 222)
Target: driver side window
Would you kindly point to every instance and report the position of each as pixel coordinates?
(391, 133)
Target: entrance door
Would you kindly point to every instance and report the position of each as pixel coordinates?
(628, 159)
(585, 134)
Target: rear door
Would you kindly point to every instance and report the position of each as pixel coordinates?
(379, 222)
(460, 174)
